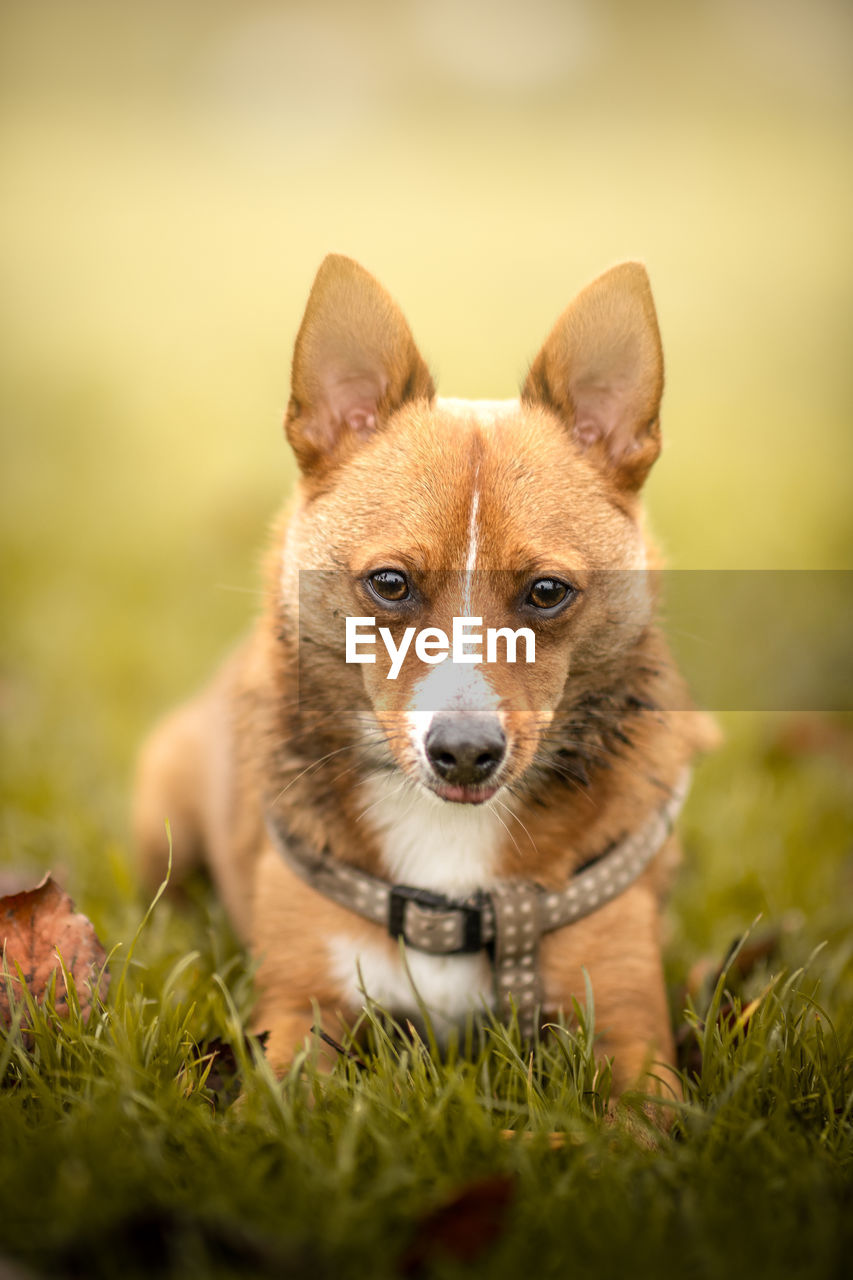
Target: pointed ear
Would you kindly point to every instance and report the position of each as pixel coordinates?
(354, 363)
(601, 370)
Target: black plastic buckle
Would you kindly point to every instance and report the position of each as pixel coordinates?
(472, 932)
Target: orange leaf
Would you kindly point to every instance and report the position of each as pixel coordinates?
(37, 927)
(464, 1227)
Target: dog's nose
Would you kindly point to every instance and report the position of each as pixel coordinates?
(465, 750)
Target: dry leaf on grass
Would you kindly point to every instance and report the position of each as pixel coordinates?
(464, 1228)
(37, 927)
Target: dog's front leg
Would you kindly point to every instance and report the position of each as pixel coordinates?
(618, 948)
(297, 1030)
(292, 934)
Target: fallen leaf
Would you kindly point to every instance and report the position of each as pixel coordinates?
(37, 927)
(463, 1228)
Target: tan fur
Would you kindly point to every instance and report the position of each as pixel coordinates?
(388, 477)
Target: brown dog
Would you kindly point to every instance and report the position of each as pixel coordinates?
(456, 721)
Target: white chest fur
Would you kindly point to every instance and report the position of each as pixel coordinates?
(429, 844)
(449, 986)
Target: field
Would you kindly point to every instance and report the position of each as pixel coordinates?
(173, 175)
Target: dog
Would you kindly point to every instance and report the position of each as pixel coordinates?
(456, 723)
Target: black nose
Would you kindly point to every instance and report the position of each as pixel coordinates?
(465, 749)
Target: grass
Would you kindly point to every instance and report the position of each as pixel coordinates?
(122, 1152)
(169, 194)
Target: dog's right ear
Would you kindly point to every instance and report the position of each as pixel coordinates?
(355, 363)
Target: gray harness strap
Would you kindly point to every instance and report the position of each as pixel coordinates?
(508, 919)
(518, 928)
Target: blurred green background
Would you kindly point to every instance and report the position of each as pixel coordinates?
(172, 175)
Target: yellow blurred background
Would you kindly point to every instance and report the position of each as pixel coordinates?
(172, 175)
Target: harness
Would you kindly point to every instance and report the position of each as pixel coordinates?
(507, 920)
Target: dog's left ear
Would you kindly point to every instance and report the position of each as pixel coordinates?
(601, 370)
(355, 363)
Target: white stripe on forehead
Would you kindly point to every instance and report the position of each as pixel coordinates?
(485, 413)
(481, 413)
(471, 557)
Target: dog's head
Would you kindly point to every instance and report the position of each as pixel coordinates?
(417, 512)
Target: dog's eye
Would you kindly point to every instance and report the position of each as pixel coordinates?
(547, 593)
(389, 584)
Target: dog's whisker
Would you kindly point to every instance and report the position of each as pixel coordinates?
(380, 799)
(509, 833)
(514, 816)
(313, 766)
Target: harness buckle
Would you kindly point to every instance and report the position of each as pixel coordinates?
(471, 913)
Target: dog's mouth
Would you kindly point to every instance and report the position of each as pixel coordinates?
(456, 793)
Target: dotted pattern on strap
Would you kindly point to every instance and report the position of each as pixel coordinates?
(518, 928)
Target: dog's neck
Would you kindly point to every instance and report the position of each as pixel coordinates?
(451, 848)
